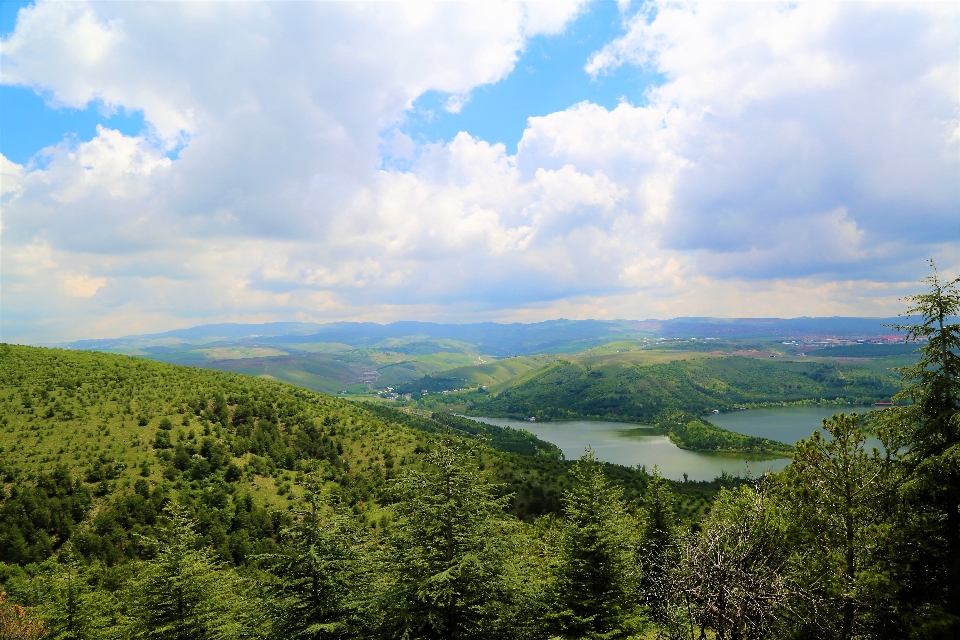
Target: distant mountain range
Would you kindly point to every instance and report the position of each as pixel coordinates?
(367, 357)
(499, 339)
(836, 326)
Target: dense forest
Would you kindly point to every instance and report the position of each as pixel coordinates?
(573, 389)
(146, 500)
(673, 396)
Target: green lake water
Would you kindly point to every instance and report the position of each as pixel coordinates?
(786, 424)
(628, 444)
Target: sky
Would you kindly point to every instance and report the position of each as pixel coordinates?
(169, 164)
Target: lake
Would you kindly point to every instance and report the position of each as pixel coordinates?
(623, 443)
(786, 424)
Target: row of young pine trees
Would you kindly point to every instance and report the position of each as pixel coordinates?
(845, 543)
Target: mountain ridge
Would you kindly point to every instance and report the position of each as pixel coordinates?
(506, 335)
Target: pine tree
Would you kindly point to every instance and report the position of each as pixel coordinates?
(658, 534)
(929, 429)
(70, 607)
(837, 498)
(598, 574)
(320, 571)
(183, 593)
(444, 555)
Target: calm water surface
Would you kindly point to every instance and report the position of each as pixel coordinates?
(621, 443)
(626, 444)
(786, 424)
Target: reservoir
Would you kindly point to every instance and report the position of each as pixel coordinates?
(627, 444)
(786, 424)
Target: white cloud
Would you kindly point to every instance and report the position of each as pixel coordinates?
(112, 164)
(81, 286)
(11, 175)
(781, 112)
(790, 146)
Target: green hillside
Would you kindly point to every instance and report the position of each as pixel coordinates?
(109, 428)
(145, 500)
(324, 366)
(571, 389)
(865, 351)
(317, 372)
(490, 375)
(113, 420)
(101, 454)
(498, 375)
(667, 388)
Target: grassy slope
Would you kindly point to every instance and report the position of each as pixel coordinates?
(490, 374)
(316, 372)
(416, 366)
(511, 372)
(87, 410)
(613, 360)
(326, 367)
(234, 440)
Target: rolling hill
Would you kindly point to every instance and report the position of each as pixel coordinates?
(112, 438)
(620, 391)
(362, 358)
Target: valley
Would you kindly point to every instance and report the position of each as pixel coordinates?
(110, 463)
(563, 370)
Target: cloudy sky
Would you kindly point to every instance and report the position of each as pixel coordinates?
(171, 164)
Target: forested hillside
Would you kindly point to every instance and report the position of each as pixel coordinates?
(95, 426)
(568, 388)
(672, 394)
(145, 500)
(100, 453)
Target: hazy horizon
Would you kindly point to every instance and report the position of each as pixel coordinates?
(838, 326)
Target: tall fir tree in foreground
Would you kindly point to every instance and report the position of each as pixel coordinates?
(71, 607)
(658, 538)
(836, 497)
(183, 593)
(598, 580)
(443, 559)
(321, 571)
(929, 430)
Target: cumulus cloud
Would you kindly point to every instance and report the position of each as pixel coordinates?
(785, 113)
(81, 286)
(788, 147)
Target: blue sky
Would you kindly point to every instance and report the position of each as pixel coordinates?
(549, 77)
(8, 14)
(29, 122)
(261, 161)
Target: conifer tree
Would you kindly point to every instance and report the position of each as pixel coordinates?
(70, 607)
(444, 555)
(320, 571)
(598, 573)
(183, 593)
(929, 429)
(658, 534)
(837, 498)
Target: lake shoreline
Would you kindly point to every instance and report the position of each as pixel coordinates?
(695, 434)
(636, 444)
(643, 446)
(744, 407)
